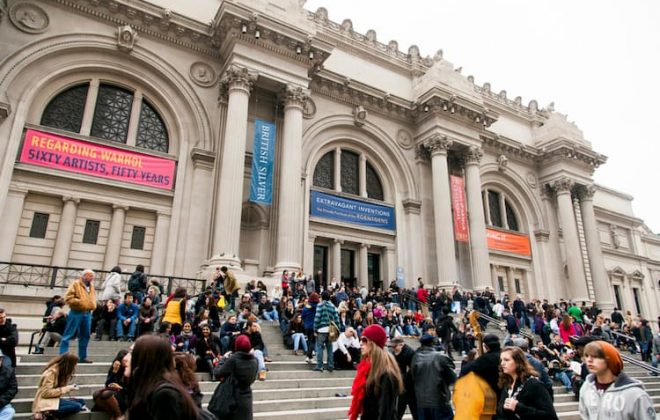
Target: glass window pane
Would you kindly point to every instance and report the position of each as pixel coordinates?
(65, 111)
(137, 239)
(350, 172)
(112, 113)
(511, 217)
(324, 173)
(494, 206)
(151, 133)
(91, 234)
(374, 187)
(39, 225)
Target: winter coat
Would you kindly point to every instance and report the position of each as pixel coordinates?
(8, 383)
(243, 367)
(112, 287)
(625, 399)
(78, 298)
(487, 368)
(534, 402)
(9, 336)
(384, 405)
(432, 374)
(308, 314)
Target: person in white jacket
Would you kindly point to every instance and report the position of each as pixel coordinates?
(346, 349)
(113, 288)
(608, 393)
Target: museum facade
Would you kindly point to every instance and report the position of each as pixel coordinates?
(265, 137)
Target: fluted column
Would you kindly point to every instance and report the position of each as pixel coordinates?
(65, 232)
(598, 275)
(11, 220)
(227, 227)
(478, 244)
(336, 260)
(444, 227)
(363, 276)
(578, 283)
(290, 203)
(113, 247)
(160, 243)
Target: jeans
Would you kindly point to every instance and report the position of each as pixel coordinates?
(322, 342)
(261, 363)
(69, 406)
(655, 359)
(435, 413)
(81, 323)
(131, 327)
(7, 412)
(270, 316)
(299, 338)
(284, 325)
(564, 379)
(224, 343)
(110, 325)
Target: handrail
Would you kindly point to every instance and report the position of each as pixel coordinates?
(627, 337)
(32, 340)
(501, 324)
(639, 363)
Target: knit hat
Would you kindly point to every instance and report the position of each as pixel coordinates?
(243, 344)
(612, 357)
(377, 334)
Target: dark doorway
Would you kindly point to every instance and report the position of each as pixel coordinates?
(373, 270)
(321, 264)
(348, 267)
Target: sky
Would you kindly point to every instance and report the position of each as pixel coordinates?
(598, 61)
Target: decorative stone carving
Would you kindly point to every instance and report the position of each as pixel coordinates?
(371, 36)
(533, 105)
(28, 18)
(404, 138)
(392, 47)
(563, 185)
(413, 53)
(502, 162)
(309, 108)
(422, 154)
(531, 179)
(321, 15)
(412, 206)
(347, 26)
(614, 234)
(294, 96)
(588, 192)
(438, 144)
(5, 110)
(203, 74)
(438, 55)
(237, 77)
(126, 37)
(359, 115)
(542, 235)
(473, 155)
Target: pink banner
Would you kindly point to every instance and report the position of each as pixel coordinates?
(460, 210)
(66, 154)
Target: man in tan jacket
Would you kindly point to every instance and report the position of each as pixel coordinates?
(81, 299)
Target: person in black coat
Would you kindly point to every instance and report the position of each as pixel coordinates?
(403, 355)
(208, 348)
(242, 366)
(8, 387)
(487, 365)
(523, 396)
(8, 337)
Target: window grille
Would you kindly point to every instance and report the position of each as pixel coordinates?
(91, 233)
(65, 111)
(137, 239)
(39, 225)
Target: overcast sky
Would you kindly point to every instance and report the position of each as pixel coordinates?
(599, 61)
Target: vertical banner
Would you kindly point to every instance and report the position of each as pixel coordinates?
(460, 208)
(263, 155)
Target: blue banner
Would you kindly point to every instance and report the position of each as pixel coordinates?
(358, 212)
(263, 155)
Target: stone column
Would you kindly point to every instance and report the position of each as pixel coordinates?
(11, 219)
(363, 276)
(336, 261)
(363, 175)
(65, 232)
(338, 169)
(598, 275)
(478, 244)
(444, 225)
(577, 281)
(390, 269)
(227, 227)
(113, 247)
(493, 279)
(160, 244)
(290, 202)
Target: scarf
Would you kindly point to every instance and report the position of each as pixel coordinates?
(359, 388)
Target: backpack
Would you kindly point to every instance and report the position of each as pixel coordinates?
(136, 282)
(224, 402)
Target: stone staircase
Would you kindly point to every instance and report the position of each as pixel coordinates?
(292, 390)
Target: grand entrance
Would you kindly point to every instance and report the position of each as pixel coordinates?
(321, 264)
(348, 267)
(373, 270)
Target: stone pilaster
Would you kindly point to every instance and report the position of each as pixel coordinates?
(11, 220)
(113, 247)
(363, 275)
(336, 261)
(65, 232)
(160, 243)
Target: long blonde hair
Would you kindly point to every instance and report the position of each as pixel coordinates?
(383, 363)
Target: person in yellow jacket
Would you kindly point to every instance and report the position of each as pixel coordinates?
(81, 299)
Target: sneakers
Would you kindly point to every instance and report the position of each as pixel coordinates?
(308, 360)
(317, 369)
(38, 350)
(86, 361)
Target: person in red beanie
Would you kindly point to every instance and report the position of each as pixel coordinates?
(608, 393)
(378, 383)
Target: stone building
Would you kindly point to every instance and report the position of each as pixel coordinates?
(128, 131)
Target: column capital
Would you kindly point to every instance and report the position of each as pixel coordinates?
(16, 190)
(293, 96)
(438, 145)
(473, 155)
(587, 192)
(422, 154)
(338, 241)
(163, 214)
(121, 207)
(364, 246)
(201, 157)
(238, 78)
(68, 198)
(563, 185)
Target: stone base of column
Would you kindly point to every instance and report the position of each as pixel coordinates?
(232, 262)
(288, 266)
(447, 286)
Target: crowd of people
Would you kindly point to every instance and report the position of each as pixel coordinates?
(333, 327)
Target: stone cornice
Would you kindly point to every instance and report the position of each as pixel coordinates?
(412, 206)
(617, 217)
(511, 148)
(444, 102)
(201, 157)
(567, 150)
(149, 20)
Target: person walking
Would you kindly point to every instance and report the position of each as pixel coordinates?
(608, 393)
(378, 383)
(81, 298)
(432, 374)
(403, 354)
(325, 313)
(8, 388)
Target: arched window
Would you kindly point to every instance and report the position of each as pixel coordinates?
(350, 175)
(111, 117)
(499, 211)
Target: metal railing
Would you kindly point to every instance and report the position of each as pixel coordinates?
(36, 275)
(502, 324)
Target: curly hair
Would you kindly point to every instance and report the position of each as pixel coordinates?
(523, 368)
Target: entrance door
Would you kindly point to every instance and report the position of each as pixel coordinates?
(373, 270)
(321, 264)
(348, 267)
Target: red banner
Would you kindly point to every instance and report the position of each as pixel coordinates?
(508, 242)
(460, 209)
(71, 155)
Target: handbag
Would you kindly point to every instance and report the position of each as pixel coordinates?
(333, 332)
(223, 403)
